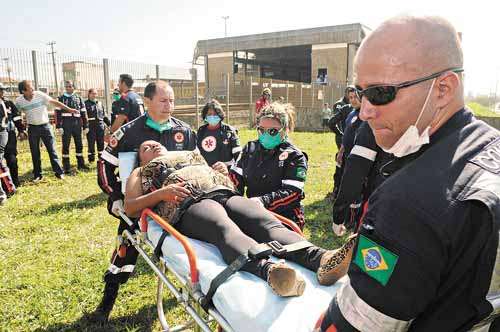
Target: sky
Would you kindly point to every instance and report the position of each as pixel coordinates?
(165, 31)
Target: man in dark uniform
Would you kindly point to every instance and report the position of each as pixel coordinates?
(426, 254)
(130, 105)
(71, 125)
(97, 121)
(157, 125)
(341, 110)
(5, 178)
(14, 120)
(352, 123)
(360, 178)
(114, 105)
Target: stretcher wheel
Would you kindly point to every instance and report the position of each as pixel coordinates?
(122, 251)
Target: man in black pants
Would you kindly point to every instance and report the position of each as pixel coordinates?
(157, 125)
(97, 122)
(70, 125)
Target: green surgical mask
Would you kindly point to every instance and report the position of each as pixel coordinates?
(270, 142)
(159, 127)
(116, 97)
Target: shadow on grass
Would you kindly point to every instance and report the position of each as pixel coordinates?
(141, 320)
(319, 221)
(85, 203)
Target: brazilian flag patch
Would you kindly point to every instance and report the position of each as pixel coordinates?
(375, 260)
(301, 173)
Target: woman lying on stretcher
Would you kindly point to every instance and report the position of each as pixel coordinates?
(202, 204)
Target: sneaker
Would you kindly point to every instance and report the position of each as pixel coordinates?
(335, 263)
(60, 176)
(3, 199)
(38, 179)
(284, 281)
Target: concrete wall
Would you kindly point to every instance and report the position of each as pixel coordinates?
(334, 59)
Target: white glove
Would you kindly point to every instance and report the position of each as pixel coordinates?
(85, 131)
(117, 207)
(339, 230)
(60, 131)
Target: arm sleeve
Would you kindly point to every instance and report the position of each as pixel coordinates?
(83, 114)
(235, 144)
(292, 184)
(123, 106)
(107, 177)
(236, 172)
(334, 122)
(16, 117)
(58, 113)
(46, 98)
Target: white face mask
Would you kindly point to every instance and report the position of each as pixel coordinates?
(411, 141)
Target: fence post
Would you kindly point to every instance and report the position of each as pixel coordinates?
(250, 104)
(194, 77)
(227, 96)
(107, 102)
(157, 72)
(287, 84)
(312, 96)
(301, 94)
(35, 68)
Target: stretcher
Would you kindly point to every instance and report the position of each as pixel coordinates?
(244, 302)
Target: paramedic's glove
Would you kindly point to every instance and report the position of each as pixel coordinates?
(60, 131)
(258, 200)
(174, 193)
(85, 131)
(117, 207)
(339, 230)
(220, 167)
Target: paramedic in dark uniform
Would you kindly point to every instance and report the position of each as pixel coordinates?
(157, 125)
(5, 178)
(14, 120)
(352, 123)
(361, 177)
(272, 169)
(72, 125)
(97, 124)
(341, 110)
(426, 252)
(218, 142)
(130, 105)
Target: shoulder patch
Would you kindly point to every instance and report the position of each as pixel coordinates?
(283, 155)
(118, 134)
(301, 173)
(489, 157)
(375, 260)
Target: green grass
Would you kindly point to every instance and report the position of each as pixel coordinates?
(480, 110)
(56, 238)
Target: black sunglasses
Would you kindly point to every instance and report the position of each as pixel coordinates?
(384, 94)
(270, 131)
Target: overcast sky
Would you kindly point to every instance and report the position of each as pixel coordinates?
(165, 32)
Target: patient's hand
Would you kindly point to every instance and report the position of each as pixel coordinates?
(220, 167)
(174, 193)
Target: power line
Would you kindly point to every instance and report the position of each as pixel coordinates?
(225, 18)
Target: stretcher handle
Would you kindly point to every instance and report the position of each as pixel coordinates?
(178, 236)
(288, 222)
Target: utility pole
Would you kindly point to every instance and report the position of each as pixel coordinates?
(225, 18)
(51, 44)
(9, 70)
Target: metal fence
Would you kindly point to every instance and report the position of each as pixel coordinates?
(238, 94)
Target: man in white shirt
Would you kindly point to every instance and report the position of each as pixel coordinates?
(34, 105)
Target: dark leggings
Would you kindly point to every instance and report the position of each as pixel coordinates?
(237, 225)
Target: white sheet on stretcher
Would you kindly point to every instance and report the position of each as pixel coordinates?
(245, 301)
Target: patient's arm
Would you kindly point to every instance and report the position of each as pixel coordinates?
(136, 200)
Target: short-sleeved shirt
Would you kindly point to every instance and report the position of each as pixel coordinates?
(35, 109)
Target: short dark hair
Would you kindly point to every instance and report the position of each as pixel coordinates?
(69, 82)
(22, 86)
(90, 90)
(150, 90)
(127, 79)
(213, 105)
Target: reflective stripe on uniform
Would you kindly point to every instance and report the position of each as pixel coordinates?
(236, 149)
(294, 183)
(16, 118)
(76, 115)
(4, 174)
(110, 158)
(79, 154)
(364, 317)
(237, 170)
(65, 155)
(90, 119)
(125, 268)
(364, 152)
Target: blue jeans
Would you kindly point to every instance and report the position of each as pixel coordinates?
(43, 132)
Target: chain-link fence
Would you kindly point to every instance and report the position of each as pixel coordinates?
(238, 95)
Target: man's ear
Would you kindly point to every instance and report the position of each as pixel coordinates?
(447, 86)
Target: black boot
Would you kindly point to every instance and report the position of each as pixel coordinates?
(81, 163)
(66, 165)
(103, 310)
(91, 158)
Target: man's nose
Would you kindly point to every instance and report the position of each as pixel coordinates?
(367, 111)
